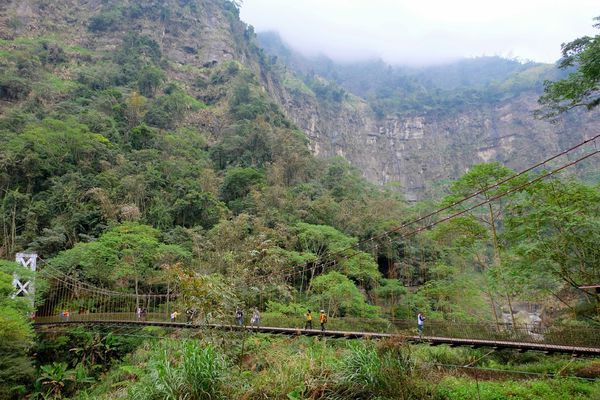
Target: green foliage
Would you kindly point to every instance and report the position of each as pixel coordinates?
(464, 389)
(104, 21)
(136, 53)
(125, 256)
(555, 229)
(149, 80)
(169, 109)
(237, 186)
(288, 309)
(182, 370)
(16, 334)
(327, 92)
(362, 269)
(51, 148)
(211, 296)
(580, 87)
(13, 88)
(319, 239)
(367, 372)
(342, 179)
(340, 297)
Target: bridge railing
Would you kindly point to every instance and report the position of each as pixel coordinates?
(525, 333)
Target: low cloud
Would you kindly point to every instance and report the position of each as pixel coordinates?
(426, 31)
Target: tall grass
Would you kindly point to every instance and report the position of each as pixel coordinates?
(182, 371)
(383, 371)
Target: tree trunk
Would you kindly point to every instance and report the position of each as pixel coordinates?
(137, 295)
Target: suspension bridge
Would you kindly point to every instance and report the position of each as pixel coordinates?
(69, 301)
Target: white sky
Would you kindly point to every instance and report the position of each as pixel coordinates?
(425, 31)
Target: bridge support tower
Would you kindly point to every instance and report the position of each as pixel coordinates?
(25, 288)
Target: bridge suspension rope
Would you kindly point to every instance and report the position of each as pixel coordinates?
(309, 266)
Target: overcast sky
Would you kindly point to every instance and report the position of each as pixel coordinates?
(421, 32)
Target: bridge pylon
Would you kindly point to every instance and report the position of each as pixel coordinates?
(25, 288)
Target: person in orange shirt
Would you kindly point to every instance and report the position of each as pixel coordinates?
(323, 319)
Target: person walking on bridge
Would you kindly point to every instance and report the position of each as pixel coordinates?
(323, 320)
(420, 324)
(239, 317)
(255, 320)
(308, 323)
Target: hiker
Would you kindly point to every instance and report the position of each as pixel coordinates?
(239, 317)
(323, 319)
(255, 320)
(62, 315)
(308, 324)
(420, 322)
(143, 313)
(66, 314)
(190, 313)
(138, 313)
(174, 315)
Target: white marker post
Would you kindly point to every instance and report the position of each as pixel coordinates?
(25, 288)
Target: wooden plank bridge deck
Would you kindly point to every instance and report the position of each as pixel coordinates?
(431, 340)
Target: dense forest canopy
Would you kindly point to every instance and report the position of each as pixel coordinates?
(133, 171)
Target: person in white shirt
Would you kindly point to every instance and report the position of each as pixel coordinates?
(420, 323)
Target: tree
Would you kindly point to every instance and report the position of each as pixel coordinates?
(490, 215)
(340, 296)
(582, 86)
(16, 335)
(208, 294)
(150, 80)
(126, 256)
(555, 231)
(392, 291)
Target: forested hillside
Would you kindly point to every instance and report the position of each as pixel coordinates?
(150, 148)
(446, 88)
(419, 128)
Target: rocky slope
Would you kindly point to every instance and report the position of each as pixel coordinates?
(422, 153)
(419, 152)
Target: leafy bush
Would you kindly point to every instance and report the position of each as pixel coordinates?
(15, 334)
(104, 21)
(168, 110)
(367, 372)
(149, 80)
(13, 88)
(102, 76)
(341, 297)
(239, 181)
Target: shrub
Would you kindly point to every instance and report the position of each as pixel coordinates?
(170, 108)
(150, 80)
(239, 181)
(104, 21)
(13, 88)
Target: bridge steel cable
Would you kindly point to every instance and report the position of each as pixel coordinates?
(429, 226)
(116, 307)
(468, 197)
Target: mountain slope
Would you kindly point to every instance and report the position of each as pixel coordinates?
(420, 128)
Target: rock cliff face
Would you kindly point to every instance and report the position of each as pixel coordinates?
(420, 153)
(189, 32)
